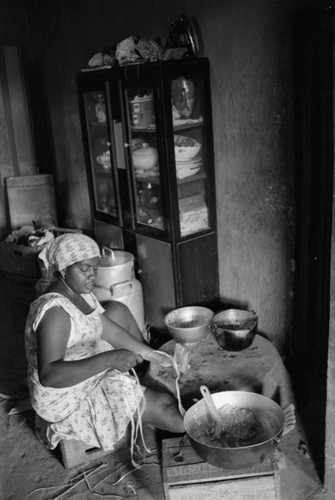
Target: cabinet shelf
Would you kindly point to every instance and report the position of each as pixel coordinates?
(189, 124)
(96, 124)
(104, 174)
(142, 130)
(185, 180)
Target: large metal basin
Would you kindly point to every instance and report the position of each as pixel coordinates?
(250, 418)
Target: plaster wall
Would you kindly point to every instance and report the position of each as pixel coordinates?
(248, 44)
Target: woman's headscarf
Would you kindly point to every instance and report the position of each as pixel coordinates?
(68, 249)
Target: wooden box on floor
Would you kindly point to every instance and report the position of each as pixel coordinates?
(187, 477)
(75, 453)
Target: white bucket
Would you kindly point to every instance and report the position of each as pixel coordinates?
(129, 293)
(116, 266)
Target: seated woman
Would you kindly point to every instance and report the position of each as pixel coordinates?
(79, 356)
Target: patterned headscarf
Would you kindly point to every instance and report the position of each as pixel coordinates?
(68, 249)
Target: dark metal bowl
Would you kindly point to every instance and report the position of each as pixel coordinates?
(270, 423)
(234, 329)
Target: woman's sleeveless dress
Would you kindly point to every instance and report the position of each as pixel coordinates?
(97, 410)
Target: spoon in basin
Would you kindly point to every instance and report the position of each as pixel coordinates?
(219, 428)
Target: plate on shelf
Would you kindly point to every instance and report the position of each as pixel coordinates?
(187, 171)
(192, 161)
(189, 165)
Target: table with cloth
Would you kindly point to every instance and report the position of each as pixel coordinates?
(258, 368)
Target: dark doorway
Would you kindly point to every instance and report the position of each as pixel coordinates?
(313, 79)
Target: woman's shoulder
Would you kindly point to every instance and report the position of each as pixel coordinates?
(49, 297)
(46, 302)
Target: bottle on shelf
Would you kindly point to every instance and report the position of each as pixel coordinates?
(100, 109)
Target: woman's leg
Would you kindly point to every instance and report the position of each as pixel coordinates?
(121, 314)
(161, 410)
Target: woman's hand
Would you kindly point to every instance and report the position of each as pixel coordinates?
(123, 360)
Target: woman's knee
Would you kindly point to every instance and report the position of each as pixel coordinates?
(164, 402)
(116, 310)
(162, 405)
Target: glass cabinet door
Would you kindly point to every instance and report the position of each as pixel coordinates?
(144, 156)
(190, 152)
(103, 190)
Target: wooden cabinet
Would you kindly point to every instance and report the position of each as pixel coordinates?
(147, 131)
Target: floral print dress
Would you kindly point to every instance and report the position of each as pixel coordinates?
(97, 410)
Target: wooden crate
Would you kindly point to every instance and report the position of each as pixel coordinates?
(194, 479)
(22, 260)
(76, 453)
(19, 259)
(20, 289)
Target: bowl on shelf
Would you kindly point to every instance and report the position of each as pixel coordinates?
(145, 157)
(185, 148)
(189, 324)
(234, 329)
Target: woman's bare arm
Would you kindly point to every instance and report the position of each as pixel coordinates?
(120, 338)
(52, 336)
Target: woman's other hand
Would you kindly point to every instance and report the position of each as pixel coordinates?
(123, 360)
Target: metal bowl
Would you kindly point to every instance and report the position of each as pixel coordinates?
(189, 324)
(248, 418)
(234, 329)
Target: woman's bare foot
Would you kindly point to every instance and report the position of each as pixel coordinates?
(290, 419)
(161, 411)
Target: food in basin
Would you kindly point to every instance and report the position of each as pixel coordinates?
(252, 427)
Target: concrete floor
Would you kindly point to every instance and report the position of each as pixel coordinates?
(29, 471)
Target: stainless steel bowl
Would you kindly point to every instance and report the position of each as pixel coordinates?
(256, 419)
(234, 329)
(189, 324)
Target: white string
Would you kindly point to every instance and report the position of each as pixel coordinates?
(135, 425)
(176, 368)
(140, 411)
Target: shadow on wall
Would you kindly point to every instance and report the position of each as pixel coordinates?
(41, 121)
(63, 199)
(224, 304)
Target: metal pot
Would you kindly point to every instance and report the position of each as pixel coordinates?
(256, 419)
(116, 266)
(234, 329)
(189, 324)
